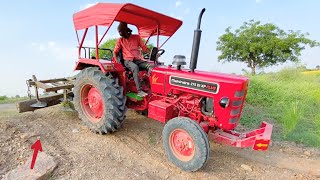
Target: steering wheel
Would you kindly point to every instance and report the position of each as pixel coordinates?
(159, 53)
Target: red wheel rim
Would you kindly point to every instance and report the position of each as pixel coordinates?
(181, 144)
(92, 103)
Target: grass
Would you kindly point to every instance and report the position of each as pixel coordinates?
(9, 113)
(7, 100)
(67, 104)
(292, 99)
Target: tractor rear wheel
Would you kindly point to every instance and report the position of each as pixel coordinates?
(186, 144)
(99, 100)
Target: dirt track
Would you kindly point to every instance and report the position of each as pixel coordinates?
(135, 152)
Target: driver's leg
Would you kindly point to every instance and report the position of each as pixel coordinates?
(144, 65)
(135, 70)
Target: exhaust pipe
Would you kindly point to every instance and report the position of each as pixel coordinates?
(196, 44)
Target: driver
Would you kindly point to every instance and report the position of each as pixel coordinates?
(130, 43)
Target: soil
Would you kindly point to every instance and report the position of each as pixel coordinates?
(135, 151)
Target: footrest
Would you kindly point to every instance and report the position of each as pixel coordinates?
(134, 96)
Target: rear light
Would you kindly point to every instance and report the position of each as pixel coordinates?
(245, 85)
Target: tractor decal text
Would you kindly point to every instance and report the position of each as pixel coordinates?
(195, 84)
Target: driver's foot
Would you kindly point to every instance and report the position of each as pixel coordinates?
(142, 93)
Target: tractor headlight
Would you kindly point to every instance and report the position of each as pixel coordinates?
(224, 102)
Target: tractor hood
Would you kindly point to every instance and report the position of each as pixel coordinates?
(200, 82)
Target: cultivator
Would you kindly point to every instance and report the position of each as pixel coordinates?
(51, 88)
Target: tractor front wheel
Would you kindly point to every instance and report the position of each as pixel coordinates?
(99, 100)
(186, 144)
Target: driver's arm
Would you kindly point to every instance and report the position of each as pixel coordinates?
(143, 46)
(117, 48)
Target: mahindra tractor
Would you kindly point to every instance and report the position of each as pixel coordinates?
(194, 105)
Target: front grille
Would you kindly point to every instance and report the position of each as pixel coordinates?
(236, 103)
(233, 120)
(239, 94)
(235, 112)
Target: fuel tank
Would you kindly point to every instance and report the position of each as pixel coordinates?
(229, 88)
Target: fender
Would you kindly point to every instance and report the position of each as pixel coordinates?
(104, 65)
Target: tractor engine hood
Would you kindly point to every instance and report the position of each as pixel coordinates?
(204, 83)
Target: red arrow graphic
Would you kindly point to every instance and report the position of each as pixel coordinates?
(37, 147)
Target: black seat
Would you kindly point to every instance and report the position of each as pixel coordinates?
(120, 58)
(153, 54)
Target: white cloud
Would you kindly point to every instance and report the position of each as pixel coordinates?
(87, 6)
(258, 1)
(51, 43)
(55, 50)
(178, 3)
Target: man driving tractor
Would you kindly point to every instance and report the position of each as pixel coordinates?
(129, 44)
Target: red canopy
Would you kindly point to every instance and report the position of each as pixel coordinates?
(147, 21)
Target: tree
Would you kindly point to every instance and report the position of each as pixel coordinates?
(262, 45)
(110, 44)
(317, 67)
(2, 98)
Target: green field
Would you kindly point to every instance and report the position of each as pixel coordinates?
(291, 100)
(7, 100)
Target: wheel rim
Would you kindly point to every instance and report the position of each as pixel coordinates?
(181, 144)
(92, 103)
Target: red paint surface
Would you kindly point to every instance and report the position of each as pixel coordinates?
(91, 103)
(182, 145)
(104, 14)
(95, 102)
(246, 139)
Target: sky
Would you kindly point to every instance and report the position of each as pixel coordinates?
(38, 37)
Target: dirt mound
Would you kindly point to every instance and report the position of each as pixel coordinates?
(134, 152)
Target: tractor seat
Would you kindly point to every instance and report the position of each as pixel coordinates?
(120, 58)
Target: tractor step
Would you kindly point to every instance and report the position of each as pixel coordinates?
(134, 96)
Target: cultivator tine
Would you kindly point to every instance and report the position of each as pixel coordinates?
(38, 104)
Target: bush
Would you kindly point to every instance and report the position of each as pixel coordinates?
(2, 98)
(292, 99)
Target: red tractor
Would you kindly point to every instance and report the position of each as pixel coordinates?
(194, 105)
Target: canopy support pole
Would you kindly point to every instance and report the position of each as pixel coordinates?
(80, 46)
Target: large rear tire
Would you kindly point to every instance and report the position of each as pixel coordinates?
(99, 100)
(186, 144)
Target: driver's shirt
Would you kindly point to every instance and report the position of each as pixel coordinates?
(130, 47)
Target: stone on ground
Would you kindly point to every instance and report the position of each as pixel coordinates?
(43, 168)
